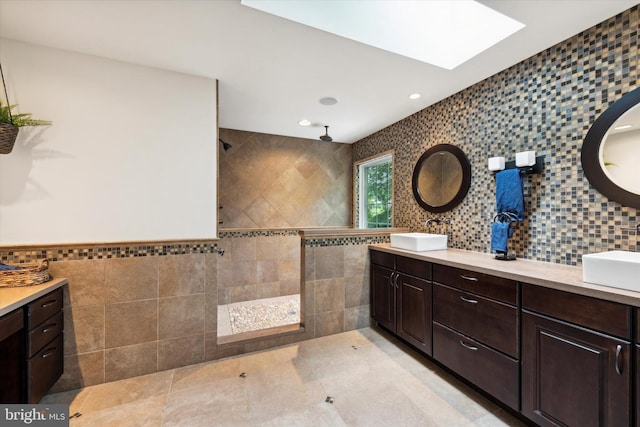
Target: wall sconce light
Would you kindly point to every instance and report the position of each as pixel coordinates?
(496, 164)
(525, 159)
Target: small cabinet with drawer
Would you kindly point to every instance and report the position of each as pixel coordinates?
(401, 297)
(476, 329)
(576, 359)
(44, 344)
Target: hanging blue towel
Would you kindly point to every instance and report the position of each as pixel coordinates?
(509, 195)
(500, 234)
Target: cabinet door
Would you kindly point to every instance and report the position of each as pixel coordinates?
(414, 311)
(573, 376)
(383, 296)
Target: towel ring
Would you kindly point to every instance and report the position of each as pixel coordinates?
(506, 216)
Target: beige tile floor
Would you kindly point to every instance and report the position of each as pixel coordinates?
(368, 377)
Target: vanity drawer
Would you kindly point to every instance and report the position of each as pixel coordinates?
(414, 267)
(43, 333)
(605, 316)
(44, 369)
(11, 323)
(498, 288)
(493, 372)
(382, 258)
(490, 322)
(44, 307)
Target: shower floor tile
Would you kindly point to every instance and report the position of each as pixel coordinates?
(258, 314)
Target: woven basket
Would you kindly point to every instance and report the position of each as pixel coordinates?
(28, 275)
(8, 134)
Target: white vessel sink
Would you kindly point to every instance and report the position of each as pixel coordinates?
(419, 242)
(618, 269)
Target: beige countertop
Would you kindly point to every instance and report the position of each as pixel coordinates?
(556, 276)
(12, 298)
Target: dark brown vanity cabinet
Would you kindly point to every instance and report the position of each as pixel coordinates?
(31, 349)
(576, 359)
(401, 297)
(476, 329)
(44, 344)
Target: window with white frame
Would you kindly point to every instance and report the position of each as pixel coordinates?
(374, 192)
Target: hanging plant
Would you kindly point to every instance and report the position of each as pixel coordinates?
(11, 123)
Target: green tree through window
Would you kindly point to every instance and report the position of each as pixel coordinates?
(375, 195)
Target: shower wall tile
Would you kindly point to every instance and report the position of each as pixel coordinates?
(243, 293)
(267, 271)
(289, 287)
(267, 248)
(271, 290)
(271, 181)
(266, 264)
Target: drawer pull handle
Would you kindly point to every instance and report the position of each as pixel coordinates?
(470, 301)
(49, 303)
(619, 359)
(469, 278)
(469, 346)
(49, 327)
(49, 352)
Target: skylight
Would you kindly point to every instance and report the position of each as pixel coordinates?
(441, 33)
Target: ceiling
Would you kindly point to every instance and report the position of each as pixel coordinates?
(271, 71)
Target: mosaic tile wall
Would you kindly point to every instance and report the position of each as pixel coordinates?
(547, 104)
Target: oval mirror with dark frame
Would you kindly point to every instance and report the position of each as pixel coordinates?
(611, 150)
(441, 178)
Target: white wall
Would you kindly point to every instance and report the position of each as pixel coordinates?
(131, 154)
(623, 152)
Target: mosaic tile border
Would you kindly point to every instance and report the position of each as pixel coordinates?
(257, 233)
(116, 250)
(345, 241)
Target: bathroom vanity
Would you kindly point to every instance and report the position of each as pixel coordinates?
(31, 341)
(533, 335)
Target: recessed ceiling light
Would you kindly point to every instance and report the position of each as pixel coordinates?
(328, 100)
(414, 96)
(442, 33)
(304, 122)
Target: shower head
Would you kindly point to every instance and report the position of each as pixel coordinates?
(225, 145)
(326, 136)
